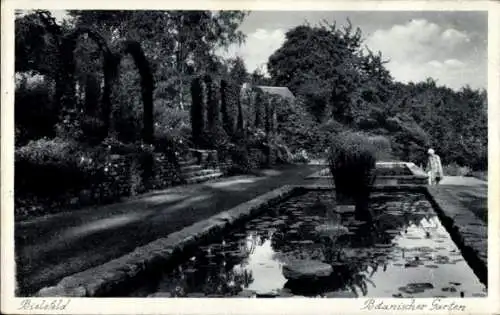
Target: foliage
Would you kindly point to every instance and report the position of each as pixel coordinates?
(58, 159)
(351, 161)
(238, 71)
(212, 108)
(297, 127)
(301, 156)
(179, 43)
(35, 115)
(197, 109)
(241, 162)
(227, 109)
(322, 64)
(382, 147)
(327, 67)
(456, 170)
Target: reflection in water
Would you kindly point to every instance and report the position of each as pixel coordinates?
(407, 253)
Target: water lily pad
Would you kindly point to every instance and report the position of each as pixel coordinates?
(306, 242)
(246, 293)
(340, 294)
(478, 295)
(449, 289)
(383, 245)
(392, 231)
(421, 285)
(442, 262)
(356, 223)
(412, 264)
(285, 294)
(411, 290)
(270, 294)
(196, 295)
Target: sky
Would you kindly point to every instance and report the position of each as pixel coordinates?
(450, 47)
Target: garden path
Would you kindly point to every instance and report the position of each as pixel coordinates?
(51, 247)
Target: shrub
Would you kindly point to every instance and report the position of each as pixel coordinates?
(241, 162)
(283, 154)
(172, 129)
(301, 156)
(352, 163)
(382, 147)
(454, 169)
(35, 113)
(52, 167)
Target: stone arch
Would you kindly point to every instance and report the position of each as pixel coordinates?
(109, 67)
(65, 90)
(134, 49)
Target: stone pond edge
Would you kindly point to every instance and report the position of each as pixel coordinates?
(468, 232)
(417, 173)
(104, 279)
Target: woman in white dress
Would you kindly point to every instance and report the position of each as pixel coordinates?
(434, 168)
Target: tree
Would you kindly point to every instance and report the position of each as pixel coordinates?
(321, 63)
(180, 44)
(197, 108)
(258, 78)
(237, 71)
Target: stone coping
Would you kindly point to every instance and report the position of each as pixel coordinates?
(468, 232)
(114, 275)
(416, 171)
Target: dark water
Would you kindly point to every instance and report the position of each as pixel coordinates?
(381, 170)
(394, 171)
(407, 254)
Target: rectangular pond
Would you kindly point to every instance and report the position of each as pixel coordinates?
(284, 253)
(388, 173)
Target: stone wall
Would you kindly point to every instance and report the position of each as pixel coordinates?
(124, 176)
(166, 172)
(121, 176)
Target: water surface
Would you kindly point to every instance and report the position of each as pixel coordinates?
(407, 254)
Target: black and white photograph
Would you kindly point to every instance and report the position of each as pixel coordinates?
(170, 154)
